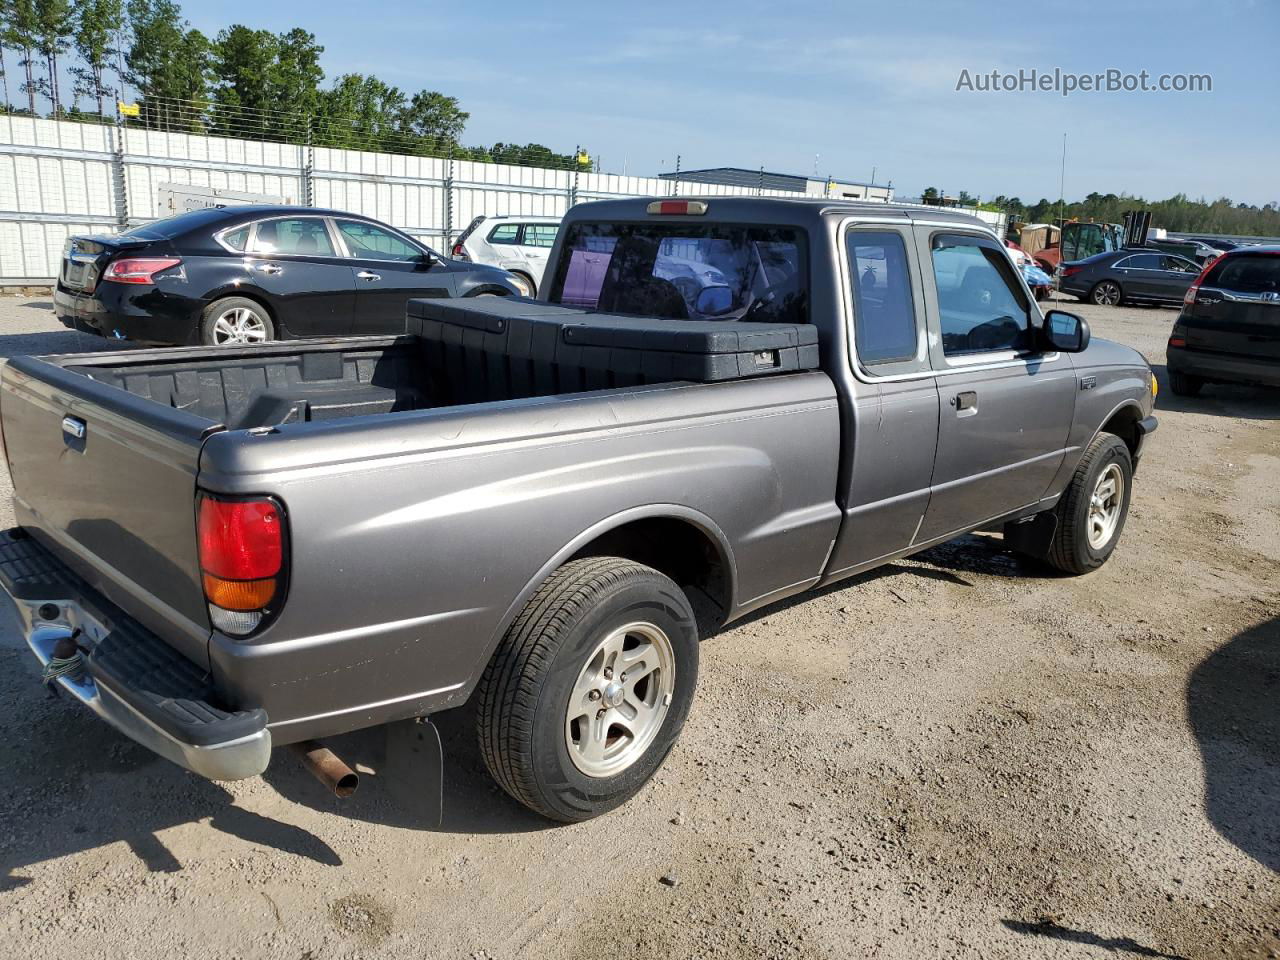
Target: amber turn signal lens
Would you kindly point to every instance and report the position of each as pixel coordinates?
(239, 594)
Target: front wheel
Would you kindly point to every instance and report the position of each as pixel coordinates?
(1107, 294)
(235, 320)
(589, 688)
(1094, 507)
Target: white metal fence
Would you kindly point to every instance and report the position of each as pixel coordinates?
(58, 178)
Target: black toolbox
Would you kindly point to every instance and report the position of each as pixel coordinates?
(514, 347)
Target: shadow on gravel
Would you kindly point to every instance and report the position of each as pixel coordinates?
(1219, 399)
(1055, 931)
(1233, 704)
(473, 802)
(42, 343)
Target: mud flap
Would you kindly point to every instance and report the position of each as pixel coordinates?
(1033, 535)
(415, 768)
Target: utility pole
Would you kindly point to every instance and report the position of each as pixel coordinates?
(1062, 179)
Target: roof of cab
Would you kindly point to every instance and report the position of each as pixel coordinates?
(771, 210)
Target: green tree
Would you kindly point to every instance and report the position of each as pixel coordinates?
(929, 194)
(966, 199)
(296, 74)
(243, 64)
(361, 113)
(54, 26)
(21, 31)
(96, 23)
(433, 117)
(168, 62)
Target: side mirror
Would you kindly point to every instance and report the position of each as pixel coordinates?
(1065, 331)
(713, 301)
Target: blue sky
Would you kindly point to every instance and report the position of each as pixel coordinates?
(863, 86)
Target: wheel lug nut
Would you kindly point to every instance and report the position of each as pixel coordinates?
(622, 678)
(600, 714)
(608, 673)
(594, 695)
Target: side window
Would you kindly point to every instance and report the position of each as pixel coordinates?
(1142, 261)
(884, 319)
(981, 304)
(540, 234)
(505, 233)
(368, 242)
(1178, 265)
(300, 236)
(236, 239)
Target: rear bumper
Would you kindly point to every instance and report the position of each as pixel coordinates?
(128, 676)
(1223, 367)
(125, 312)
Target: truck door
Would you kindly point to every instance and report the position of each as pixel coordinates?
(890, 411)
(1005, 408)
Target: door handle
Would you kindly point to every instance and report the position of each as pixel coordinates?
(270, 269)
(968, 400)
(366, 275)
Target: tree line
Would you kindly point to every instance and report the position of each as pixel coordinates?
(1178, 214)
(244, 82)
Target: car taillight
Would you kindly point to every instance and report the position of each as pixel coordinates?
(242, 560)
(1177, 341)
(1193, 291)
(459, 252)
(138, 269)
(1069, 271)
(693, 208)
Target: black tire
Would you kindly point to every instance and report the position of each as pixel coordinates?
(211, 334)
(1107, 293)
(1070, 549)
(1184, 384)
(524, 695)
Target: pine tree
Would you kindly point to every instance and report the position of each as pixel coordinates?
(95, 23)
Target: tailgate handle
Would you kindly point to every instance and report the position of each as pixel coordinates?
(73, 427)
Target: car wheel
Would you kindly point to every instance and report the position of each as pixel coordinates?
(525, 282)
(1184, 384)
(235, 320)
(1107, 293)
(1093, 509)
(589, 688)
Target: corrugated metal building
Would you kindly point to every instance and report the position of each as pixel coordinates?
(745, 179)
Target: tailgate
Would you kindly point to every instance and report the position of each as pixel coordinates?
(107, 481)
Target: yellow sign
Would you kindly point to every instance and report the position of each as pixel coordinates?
(583, 159)
(128, 109)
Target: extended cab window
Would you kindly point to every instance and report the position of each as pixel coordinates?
(981, 305)
(884, 319)
(685, 271)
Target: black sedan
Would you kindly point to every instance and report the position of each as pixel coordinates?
(1132, 275)
(254, 273)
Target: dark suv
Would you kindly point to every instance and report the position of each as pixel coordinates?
(1229, 328)
(254, 273)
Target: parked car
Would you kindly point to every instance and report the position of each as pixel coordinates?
(542, 508)
(519, 245)
(248, 274)
(1132, 275)
(1217, 243)
(1229, 328)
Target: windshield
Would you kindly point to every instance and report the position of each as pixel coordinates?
(685, 272)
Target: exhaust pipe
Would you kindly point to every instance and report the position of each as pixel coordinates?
(324, 765)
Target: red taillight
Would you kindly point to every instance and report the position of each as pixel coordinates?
(1177, 341)
(1070, 271)
(694, 208)
(138, 269)
(1192, 291)
(457, 250)
(241, 545)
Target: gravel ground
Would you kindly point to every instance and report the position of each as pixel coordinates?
(959, 755)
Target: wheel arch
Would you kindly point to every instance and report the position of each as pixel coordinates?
(246, 293)
(1123, 422)
(654, 535)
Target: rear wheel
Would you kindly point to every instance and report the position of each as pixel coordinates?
(525, 282)
(235, 320)
(1106, 293)
(1184, 384)
(589, 689)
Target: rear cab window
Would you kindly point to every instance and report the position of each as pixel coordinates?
(685, 271)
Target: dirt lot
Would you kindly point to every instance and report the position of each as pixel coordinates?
(958, 756)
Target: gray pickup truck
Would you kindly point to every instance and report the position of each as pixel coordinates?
(541, 506)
